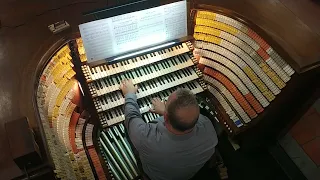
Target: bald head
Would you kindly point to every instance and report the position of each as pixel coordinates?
(182, 110)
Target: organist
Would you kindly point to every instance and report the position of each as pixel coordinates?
(178, 143)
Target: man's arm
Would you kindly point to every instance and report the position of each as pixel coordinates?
(134, 123)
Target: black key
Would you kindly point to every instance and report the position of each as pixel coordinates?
(144, 70)
(131, 75)
(153, 84)
(121, 76)
(126, 76)
(167, 63)
(143, 102)
(143, 88)
(101, 68)
(108, 83)
(111, 116)
(119, 96)
(110, 97)
(193, 85)
(139, 102)
(184, 58)
(135, 74)
(113, 81)
(160, 80)
(150, 85)
(116, 80)
(174, 62)
(139, 72)
(119, 112)
(116, 112)
(165, 93)
(167, 77)
(189, 71)
(157, 65)
(147, 70)
(179, 59)
(97, 85)
(178, 75)
(106, 114)
(162, 65)
(173, 76)
(106, 100)
(151, 69)
(183, 72)
(105, 82)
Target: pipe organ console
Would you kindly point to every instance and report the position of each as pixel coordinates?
(236, 78)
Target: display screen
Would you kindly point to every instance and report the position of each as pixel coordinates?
(117, 35)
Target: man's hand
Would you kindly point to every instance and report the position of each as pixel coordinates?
(127, 86)
(158, 106)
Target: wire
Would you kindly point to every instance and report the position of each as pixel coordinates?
(49, 10)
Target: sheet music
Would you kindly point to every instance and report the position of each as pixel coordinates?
(116, 35)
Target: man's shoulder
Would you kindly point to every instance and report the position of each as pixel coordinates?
(203, 119)
(205, 123)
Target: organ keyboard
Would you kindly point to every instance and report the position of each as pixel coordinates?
(103, 71)
(156, 74)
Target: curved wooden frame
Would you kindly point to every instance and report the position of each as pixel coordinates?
(44, 60)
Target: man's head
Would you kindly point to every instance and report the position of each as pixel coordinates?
(182, 110)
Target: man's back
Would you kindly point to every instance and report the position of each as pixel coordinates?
(179, 144)
(167, 156)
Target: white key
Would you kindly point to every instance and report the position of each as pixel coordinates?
(103, 104)
(98, 72)
(105, 72)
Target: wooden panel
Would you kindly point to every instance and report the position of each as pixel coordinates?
(308, 11)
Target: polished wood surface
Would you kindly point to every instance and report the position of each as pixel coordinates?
(22, 47)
